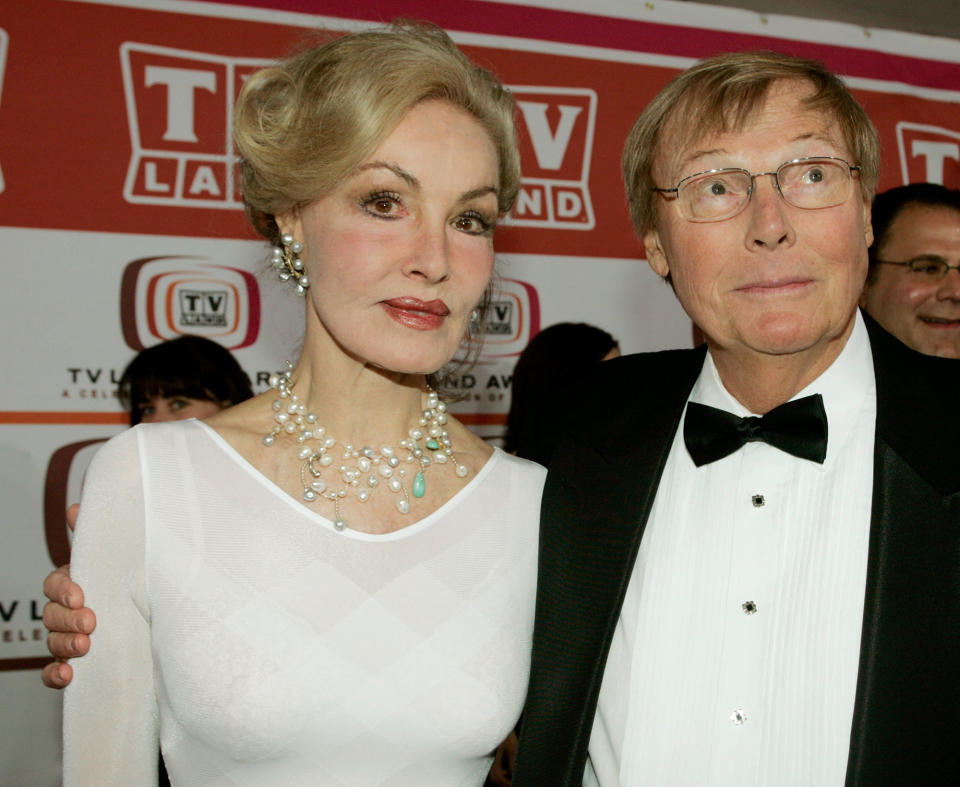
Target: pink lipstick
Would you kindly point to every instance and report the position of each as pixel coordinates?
(416, 314)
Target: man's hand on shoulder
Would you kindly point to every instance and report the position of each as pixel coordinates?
(68, 621)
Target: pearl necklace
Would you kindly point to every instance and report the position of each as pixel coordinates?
(362, 471)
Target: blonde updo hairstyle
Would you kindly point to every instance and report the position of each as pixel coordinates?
(305, 124)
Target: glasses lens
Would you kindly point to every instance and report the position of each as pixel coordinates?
(929, 266)
(714, 195)
(814, 182)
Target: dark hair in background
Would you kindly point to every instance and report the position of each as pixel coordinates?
(189, 366)
(555, 359)
(887, 206)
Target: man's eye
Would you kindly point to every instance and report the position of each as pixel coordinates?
(146, 409)
(178, 404)
(928, 267)
(714, 187)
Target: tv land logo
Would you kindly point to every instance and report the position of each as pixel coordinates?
(556, 137)
(61, 487)
(164, 297)
(513, 319)
(928, 154)
(4, 44)
(179, 107)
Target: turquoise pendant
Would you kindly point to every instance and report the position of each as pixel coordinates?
(432, 444)
(419, 485)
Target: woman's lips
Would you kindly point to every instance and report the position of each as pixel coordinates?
(417, 314)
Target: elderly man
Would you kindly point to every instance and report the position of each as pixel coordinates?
(730, 599)
(913, 285)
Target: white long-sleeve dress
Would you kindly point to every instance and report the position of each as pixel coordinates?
(262, 647)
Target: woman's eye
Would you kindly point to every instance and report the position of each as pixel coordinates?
(382, 204)
(146, 410)
(178, 404)
(472, 223)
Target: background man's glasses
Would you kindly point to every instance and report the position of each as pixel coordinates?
(719, 194)
(928, 266)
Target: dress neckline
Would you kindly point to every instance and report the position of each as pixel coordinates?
(413, 528)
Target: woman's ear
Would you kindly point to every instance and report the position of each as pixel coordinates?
(289, 224)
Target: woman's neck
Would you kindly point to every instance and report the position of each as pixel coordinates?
(357, 403)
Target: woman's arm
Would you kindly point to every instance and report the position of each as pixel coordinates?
(110, 719)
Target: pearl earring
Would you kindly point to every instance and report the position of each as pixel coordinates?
(287, 261)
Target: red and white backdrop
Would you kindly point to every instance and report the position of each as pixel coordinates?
(121, 225)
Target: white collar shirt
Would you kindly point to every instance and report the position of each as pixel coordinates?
(735, 658)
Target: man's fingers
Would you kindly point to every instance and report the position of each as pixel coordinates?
(59, 619)
(59, 588)
(56, 675)
(72, 513)
(66, 646)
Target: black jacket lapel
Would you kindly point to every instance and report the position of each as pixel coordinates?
(599, 492)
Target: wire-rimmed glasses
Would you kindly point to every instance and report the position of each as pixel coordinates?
(929, 266)
(718, 194)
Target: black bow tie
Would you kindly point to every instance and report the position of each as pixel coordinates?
(798, 427)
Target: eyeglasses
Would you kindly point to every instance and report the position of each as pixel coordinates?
(928, 266)
(718, 194)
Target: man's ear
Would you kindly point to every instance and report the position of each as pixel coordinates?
(867, 225)
(655, 254)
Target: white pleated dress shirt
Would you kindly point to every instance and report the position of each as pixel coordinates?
(735, 658)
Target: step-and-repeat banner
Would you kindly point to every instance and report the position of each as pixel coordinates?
(121, 224)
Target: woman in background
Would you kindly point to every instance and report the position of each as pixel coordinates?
(187, 377)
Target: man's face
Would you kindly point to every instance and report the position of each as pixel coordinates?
(921, 309)
(774, 279)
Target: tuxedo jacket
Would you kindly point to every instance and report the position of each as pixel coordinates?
(603, 477)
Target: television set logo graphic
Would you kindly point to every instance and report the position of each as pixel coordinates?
(179, 108)
(61, 487)
(556, 128)
(203, 308)
(513, 319)
(928, 154)
(165, 297)
(4, 41)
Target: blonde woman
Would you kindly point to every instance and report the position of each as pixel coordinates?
(331, 583)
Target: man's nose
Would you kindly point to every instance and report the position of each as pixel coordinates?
(949, 286)
(769, 221)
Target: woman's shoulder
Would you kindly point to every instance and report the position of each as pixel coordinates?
(511, 475)
(523, 467)
(122, 455)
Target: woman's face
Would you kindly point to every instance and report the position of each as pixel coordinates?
(400, 252)
(159, 408)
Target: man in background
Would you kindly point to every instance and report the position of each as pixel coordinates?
(913, 285)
